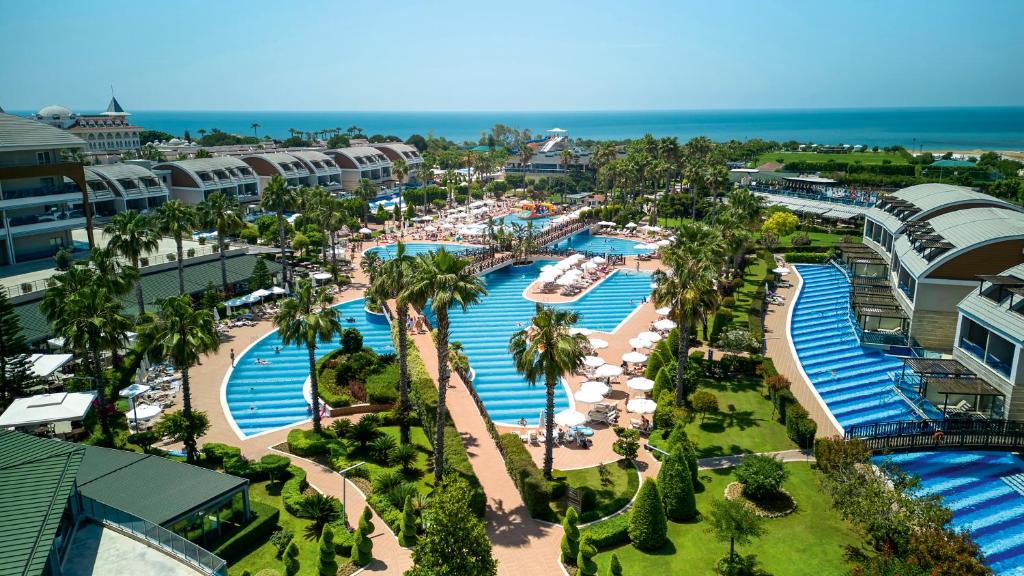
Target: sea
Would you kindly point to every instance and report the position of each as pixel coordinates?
(993, 128)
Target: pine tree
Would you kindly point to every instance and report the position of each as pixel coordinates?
(367, 517)
(676, 487)
(328, 561)
(407, 527)
(362, 546)
(570, 537)
(260, 275)
(451, 525)
(678, 439)
(585, 559)
(615, 567)
(648, 527)
(15, 367)
(291, 560)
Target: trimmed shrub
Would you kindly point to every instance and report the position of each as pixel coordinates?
(362, 546)
(614, 566)
(648, 527)
(610, 533)
(799, 426)
(677, 487)
(570, 537)
(585, 559)
(382, 387)
(665, 415)
(257, 531)
(291, 560)
(307, 443)
(328, 555)
(275, 466)
(351, 341)
(654, 364)
(807, 257)
(407, 526)
(291, 492)
(761, 475)
(528, 477)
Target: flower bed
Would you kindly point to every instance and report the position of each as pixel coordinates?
(776, 506)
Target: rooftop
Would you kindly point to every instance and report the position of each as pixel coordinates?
(997, 315)
(24, 134)
(917, 202)
(47, 408)
(962, 230)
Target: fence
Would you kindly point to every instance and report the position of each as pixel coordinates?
(948, 433)
(154, 534)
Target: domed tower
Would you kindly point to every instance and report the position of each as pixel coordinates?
(57, 116)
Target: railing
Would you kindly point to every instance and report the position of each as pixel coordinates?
(948, 433)
(156, 535)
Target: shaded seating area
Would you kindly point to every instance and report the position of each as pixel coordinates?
(881, 318)
(953, 388)
(862, 261)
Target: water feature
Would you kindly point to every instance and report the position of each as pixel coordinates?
(587, 242)
(539, 223)
(416, 248)
(262, 398)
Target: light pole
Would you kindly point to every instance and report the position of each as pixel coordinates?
(343, 473)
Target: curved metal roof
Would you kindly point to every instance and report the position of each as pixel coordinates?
(997, 315)
(965, 230)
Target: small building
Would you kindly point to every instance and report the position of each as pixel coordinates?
(60, 413)
(193, 180)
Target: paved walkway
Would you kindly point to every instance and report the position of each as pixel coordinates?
(717, 462)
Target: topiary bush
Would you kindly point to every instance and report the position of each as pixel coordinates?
(362, 546)
(307, 443)
(585, 565)
(328, 565)
(648, 527)
(407, 526)
(677, 487)
(570, 537)
(351, 341)
(761, 475)
(291, 492)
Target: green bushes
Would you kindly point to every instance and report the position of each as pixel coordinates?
(291, 492)
(570, 545)
(307, 444)
(610, 533)
(761, 475)
(807, 257)
(259, 528)
(722, 319)
(528, 477)
(648, 527)
(328, 554)
(677, 487)
(382, 387)
(799, 426)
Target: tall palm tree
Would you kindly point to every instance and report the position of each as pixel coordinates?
(182, 334)
(131, 236)
(176, 220)
(279, 197)
(400, 169)
(306, 319)
(255, 126)
(366, 191)
(390, 282)
(545, 350)
(221, 212)
(525, 157)
(445, 281)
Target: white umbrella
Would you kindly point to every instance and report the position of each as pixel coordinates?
(277, 290)
(664, 324)
(584, 331)
(631, 225)
(590, 396)
(650, 228)
(566, 280)
(321, 276)
(641, 406)
(601, 387)
(134, 390)
(216, 315)
(569, 417)
(598, 344)
(652, 336)
(593, 361)
(663, 311)
(145, 412)
(781, 270)
(605, 223)
(640, 384)
(608, 371)
(261, 293)
(598, 260)
(640, 343)
(588, 266)
(641, 246)
(430, 228)
(664, 243)
(650, 246)
(634, 357)
(548, 268)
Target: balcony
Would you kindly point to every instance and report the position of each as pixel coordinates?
(28, 228)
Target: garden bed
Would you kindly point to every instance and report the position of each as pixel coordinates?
(774, 506)
(612, 486)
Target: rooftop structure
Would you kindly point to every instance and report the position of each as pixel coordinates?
(109, 131)
(323, 171)
(398, 151)
(361, 163)
(192, 181)
(62, 412)
(133, 187)
(298, 168)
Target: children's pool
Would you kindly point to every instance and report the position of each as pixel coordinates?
(587, 242)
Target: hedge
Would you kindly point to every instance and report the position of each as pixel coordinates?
(291, 491)
(254, 534)
(807, 257)
(382, 387)
(307, 443)
(608, 534)
(529, 479)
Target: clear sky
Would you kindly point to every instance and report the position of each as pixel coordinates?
(522, 55)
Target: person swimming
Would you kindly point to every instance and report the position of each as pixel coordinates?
(262, 362)
(277, 349)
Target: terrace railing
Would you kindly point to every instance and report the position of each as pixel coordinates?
(155, 535)
(932, 434)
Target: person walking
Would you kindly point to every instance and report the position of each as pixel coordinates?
(232, 357)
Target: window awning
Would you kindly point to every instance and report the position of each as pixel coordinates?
(967, 386)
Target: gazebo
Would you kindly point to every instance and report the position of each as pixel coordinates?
(953, 387)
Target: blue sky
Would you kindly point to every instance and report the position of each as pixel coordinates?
(522, 55)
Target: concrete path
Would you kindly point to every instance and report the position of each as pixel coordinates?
(717, 462)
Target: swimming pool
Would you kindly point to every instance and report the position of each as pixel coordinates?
(979, 487)
(262, 398)
(587, 242)
(510, 219)
(854, 382)
(416, 248)
(485, 330)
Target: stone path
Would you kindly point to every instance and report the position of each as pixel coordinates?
(717, 462)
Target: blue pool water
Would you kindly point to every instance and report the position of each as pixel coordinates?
(971, 485)
(587, 242)
(510, 219)
(262, 398)
(853, 381)
(486, 328)
(417, 248)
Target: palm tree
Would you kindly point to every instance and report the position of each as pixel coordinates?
(400, 169)
(525, 157)
(390, 282)
(566, 159)
(371, 265)
(176, 220)
(365, 191)
(306, 319)
(545, 350)
(182, 334)
(445, 281)
(255, 126)
(220, 212)
(202, 133)
(131, 236)
(279, 197)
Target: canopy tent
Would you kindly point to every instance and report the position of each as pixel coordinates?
(47, 409)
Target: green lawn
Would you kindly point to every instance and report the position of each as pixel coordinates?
(808, 542)
(753, 275)
(616, 491)
(818, 239)
(864, 157)
(424, 482)
(744, 423)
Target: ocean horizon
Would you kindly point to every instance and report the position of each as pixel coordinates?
(988, 128)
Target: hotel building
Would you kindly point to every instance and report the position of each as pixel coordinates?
(193, 180)
(107, 132)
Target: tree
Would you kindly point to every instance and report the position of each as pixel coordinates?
(648, 527)
(677, 487)
(585, 560)
(570, 537)
(365, 191)
(306, 319)
(260, 275)
(176, 220)
(291, 560)
(704, 402)
(131, 236)
(328, 565)
(279, 197)
(454, 541)
(407, 526)
(781, 224)
(15, 367)
(255, 129)
(614, 566)
(627, 443)
(275, 466)
(545, 350)
(525, 158)
(362, 546)
(319, 508)
(734, 522)
(445, 281)
(703, 169)
(221, 213)
(183, 335)
(351, 341)
(762, 475)
(390, 282)
(179, 427)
